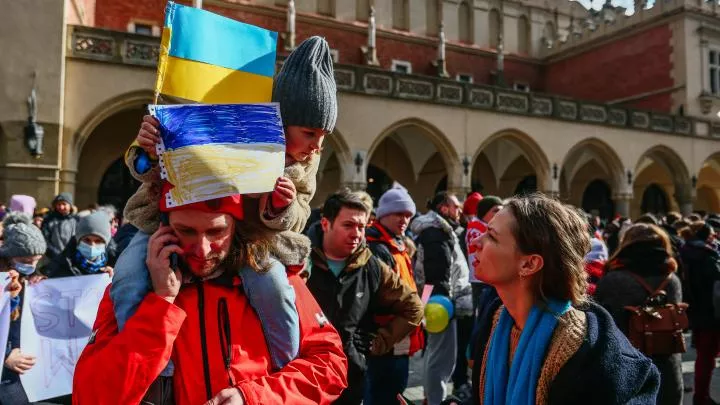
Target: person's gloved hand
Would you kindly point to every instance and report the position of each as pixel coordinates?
(362, 340)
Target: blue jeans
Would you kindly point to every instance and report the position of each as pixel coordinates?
(273, 299)
(386, 377)
(269, 293)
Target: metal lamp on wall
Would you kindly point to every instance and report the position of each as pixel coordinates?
(34, 132)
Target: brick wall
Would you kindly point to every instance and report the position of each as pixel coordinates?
(116, 15)
(630, 66)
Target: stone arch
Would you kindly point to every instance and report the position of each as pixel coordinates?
(100, 114)
(335, 162)
(580, 164)
(440, 141)
(428, 161)
(662, 166)
(529, 149)
(707, 184)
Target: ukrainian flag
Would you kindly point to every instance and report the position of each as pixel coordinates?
(214, 151)
(208, 58)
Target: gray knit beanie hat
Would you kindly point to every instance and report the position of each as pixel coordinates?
(22, 239)
(305, 87)
(97, 223)
(394, 201)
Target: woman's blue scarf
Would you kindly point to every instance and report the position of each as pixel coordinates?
(90, 266)
(517, 386)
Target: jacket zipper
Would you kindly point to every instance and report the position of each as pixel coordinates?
(203, 340)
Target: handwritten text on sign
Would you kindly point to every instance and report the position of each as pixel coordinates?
(57, 320)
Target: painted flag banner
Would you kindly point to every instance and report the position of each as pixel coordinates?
(56, 322)
(214, 151)
(208, 58)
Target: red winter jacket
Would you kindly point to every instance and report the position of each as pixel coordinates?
(118, 368)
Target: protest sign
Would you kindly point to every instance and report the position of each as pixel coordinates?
(57, 320)
(4, 309)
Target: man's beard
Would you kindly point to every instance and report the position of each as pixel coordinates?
(205, 267)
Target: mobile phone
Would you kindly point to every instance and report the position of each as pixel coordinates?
(165, 220)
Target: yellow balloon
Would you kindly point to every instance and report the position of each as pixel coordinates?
(436, 318)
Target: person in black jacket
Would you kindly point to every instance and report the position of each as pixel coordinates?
(59, 225)
(644, 256)
(23, 248)
(353, 287)
(87, 251)
(702, 267)
(548, 344)
(441, 261)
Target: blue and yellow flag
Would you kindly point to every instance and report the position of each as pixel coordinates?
(208, 58)
(214, 151)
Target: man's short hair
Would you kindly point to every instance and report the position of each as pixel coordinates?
(343, 199)
(439, 199)
(672, 217)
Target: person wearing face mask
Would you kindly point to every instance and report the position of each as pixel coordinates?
(23, 248)
(86, 252)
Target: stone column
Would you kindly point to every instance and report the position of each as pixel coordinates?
(355, 172)
(685, 196)
(622, 204)
(458, 181)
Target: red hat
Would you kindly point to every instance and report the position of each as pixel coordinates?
(471, 202)
(231, 205)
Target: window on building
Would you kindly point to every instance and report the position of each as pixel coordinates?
(401, 66)
(401, 15)
(519, 86)
(433, 17)
(549, 35)
(144, 29)
(362, 10)
(326, 7)
(714, 70)
(494, 28)
(464, 78)
(465, 22)
(523, 36)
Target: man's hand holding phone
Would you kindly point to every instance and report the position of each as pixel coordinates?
(166, 281)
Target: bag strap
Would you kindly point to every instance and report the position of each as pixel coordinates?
(647, 287)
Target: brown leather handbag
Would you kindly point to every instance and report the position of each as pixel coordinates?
(656, 328)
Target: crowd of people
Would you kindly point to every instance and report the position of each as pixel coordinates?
(246, 300)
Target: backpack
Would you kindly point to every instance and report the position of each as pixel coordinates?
(656, 328)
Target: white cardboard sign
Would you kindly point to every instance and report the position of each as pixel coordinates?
(57, 321)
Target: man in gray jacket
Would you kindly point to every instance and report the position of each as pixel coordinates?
(59, 225)
(440, 262)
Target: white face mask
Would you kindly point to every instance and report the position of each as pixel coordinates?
(91, 252)
(24, 268)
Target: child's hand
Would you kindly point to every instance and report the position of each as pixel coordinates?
(149, 134)
(283, 194)
(14, 287)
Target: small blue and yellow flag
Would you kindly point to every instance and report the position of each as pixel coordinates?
(208, 58)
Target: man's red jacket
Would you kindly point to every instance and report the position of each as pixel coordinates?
(118, 368)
